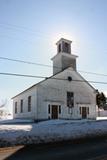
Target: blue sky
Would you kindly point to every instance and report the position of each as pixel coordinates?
(29, 30)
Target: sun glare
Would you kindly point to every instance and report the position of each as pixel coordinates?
(57, 36)
(65, 35)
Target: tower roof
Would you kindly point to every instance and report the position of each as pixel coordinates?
(63, 39)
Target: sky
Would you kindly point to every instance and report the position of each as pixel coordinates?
(29, 30)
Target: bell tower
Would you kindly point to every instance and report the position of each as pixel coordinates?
(64, 46)
(63, 59)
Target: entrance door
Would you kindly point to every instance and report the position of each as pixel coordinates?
(84, 112)
(54, 112)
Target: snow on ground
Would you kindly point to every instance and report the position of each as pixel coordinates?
(14, 121)
(50, 131)
(101, 118)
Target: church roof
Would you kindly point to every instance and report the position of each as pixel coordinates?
(52, 77)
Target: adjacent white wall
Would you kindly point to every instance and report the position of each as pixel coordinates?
(29, 115)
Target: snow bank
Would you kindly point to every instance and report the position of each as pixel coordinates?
(101, 118)
(102, 113)
(50, 131)
(14, 121)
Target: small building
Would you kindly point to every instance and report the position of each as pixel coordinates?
(64, 95)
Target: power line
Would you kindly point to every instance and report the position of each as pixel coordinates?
(45, 65)
(98, 74)
(25, 29)
(29, 76)
(21, 75)
(26, 62)
(31, 42)
(33, 76)
(24, 40)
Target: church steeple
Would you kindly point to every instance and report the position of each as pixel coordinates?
(64, 45)
(63, 59)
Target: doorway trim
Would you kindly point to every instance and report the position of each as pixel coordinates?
(52, 111)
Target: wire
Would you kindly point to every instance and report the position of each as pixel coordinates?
(44, 65)
(31, 42)
(98, 74)
(33, 76)
(24, 40)
(21, 75)
(29, 76)
(25, 29)
(16, 27)
(90, 81)
(10, 26)
(27, 62)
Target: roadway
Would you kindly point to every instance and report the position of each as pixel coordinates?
(91, 150)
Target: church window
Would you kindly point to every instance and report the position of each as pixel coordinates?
(59, 48)
(15, 107)
(49, 109)
(87, 110)
(21, 105)
(70, 99)
(66, 47)
(59, 109)
(80, 110)
(29, 104)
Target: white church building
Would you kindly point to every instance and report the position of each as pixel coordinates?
(64, 95)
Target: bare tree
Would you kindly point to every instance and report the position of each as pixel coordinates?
(3, 111)
(3, 103)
